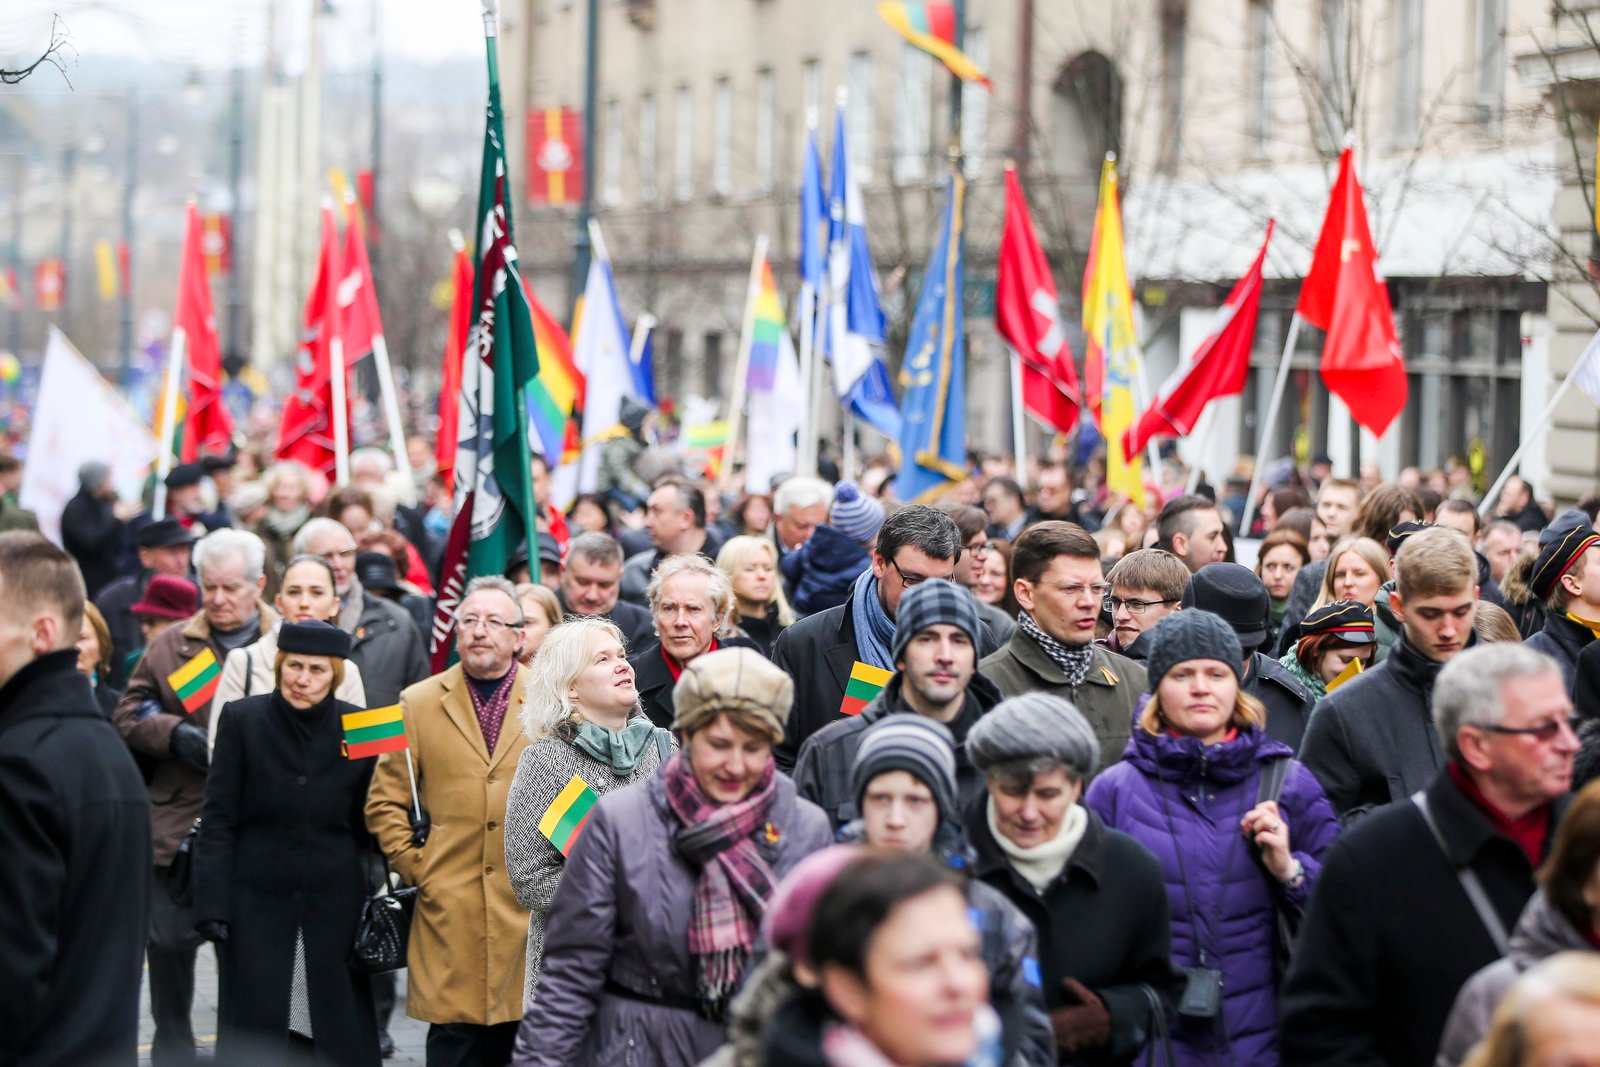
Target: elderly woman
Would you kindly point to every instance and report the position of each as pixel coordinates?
(583, 722)
(690, 601)
(1331, 636)
(1548, 1017)
(1094, 895)
(1235, 851)
(763, 612)
(279, 871)
(289, 489)
(541, 613)
(658, 908)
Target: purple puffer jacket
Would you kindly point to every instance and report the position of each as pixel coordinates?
(1205, 790)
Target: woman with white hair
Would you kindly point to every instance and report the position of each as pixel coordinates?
(588, 737)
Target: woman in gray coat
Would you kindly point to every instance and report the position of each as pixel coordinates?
(582, 714)
(664, 892)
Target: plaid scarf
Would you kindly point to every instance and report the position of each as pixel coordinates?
(1074, 662)
(491, 711)
(735, 880)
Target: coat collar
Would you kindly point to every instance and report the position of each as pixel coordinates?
(1568, 635)
(457, 703)
(1102, 669)
(199, 629)
(1465, 830)
(48, 684)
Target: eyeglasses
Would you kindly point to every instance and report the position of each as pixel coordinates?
(909, 580)
(978, 549)
(1077, 590)
(494, 626)
(1545, 731)
(1135, 607)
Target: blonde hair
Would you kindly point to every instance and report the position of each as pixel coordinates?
(738, 553)
(1571, 976)
(542, 596)
(1247, 712)
(1371, 553)
(564, 655)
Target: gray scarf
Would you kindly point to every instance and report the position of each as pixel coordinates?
(621, 749)
(1074, 662)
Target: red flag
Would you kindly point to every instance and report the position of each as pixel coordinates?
(306, 432)
(206, 423)
(365, 193)
(49, 284)
(359, 321)
(1219, 366)
(455, 345)
(1344, 295)
(1027, 315)
(555, 156)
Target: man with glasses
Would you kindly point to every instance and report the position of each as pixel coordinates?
(468, 934)
(1418, 897)
(1146, 587)
(1059, 585)
(974, 527)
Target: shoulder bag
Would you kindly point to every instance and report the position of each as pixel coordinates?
(384, 932)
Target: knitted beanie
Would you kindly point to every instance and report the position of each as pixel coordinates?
(1192, 634)
(929, 603)
(854, 514)
(919, 746)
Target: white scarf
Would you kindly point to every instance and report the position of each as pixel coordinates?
(1041, 864)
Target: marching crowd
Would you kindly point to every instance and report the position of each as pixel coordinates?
(811, 777)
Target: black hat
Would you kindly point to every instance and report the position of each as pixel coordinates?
(1350, 620)
(1397, 535)
(1234, 593)
(375, 571)
(213, 464)
(163, 533)
(1557, 558)
(313, 638)
(184, 475)
(549, 552)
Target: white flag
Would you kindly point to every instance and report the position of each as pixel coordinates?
(600, 352)
(1586, 374)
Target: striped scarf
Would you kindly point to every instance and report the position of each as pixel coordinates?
(1074, 662)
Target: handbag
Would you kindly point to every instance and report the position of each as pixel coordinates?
(384, 932)
(1160, 1034)
(180, 875)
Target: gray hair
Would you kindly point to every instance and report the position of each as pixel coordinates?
(314, 527)
(1470, 688)
(368, 456)
(1032, 734)
(801, 493)
(498, 584)
(561, 658)
(719, 590)
(596, 547)
(226, 544)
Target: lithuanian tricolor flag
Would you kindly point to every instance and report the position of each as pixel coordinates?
(866, 682)
(932, 28)
(564, 819)
(370, 733)
(196, 681)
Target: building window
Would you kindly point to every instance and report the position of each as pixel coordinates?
(1335, 87)
(1260, 76)
(1407, 93)
(858, 115)
(1174, 34)
(683, 147)
(766, 133)
(722, 138)
(611, 155)
(1489, 82)
(913, 125)
(1086, 115)
(975, 105)
(647, 148)
(711, 372)
(670, 380)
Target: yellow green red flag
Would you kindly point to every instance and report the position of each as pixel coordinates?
(1112, 360)
(932, 28)
(564, 819)
(371, 733)
(866, 682)
(196, 681)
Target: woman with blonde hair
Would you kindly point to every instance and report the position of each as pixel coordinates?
(1550, 1018)
(1358, 568)
(541, 613)
(763, 612)
(583, 718)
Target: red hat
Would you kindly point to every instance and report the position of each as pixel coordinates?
(168, 597)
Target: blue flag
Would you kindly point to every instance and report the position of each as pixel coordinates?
(644, 374)
(933, 437)
(813, 213)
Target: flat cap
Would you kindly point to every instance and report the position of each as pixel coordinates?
(736, 681)
(184, 475)
(1398, 534)
(163, 533)
(1558, 557)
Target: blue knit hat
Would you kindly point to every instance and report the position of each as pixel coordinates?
(929, 603)
(854, 514)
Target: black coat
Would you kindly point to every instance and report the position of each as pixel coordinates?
(1288, 702)
(1104, 921)
(114, 601)
(1390, 937)
(282, 848)
(75, 837)
(388, 649)
(1562, 640)
(654, 680)
(92, 534)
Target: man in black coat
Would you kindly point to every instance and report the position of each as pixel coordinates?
(91, 527)
(75, 833)
(690, 599)
(1566, 576)
(675, 515)
(1392, 933)
(591, 583)
(164, 547)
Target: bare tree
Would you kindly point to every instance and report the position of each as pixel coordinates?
(60, 42)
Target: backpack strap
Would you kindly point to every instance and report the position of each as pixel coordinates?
(663, 744)
(1273, 775)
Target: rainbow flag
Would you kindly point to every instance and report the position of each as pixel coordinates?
(558, 387)
(932, 28)
(196, 681)
(369, 733)
(866, 682)
(767, 337)
(706, 440)
(564, 819)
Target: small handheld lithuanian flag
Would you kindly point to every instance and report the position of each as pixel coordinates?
(196, 681)
(369, 733)
(563, 820)
(866, 682)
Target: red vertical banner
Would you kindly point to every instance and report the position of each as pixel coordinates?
(216, 241)
(366, 192)
(49, 284)
(555, 156)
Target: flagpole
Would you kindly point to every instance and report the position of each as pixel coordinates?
(1527, 435)
(169, 416)
(806, 458)
(1271, 420)
(341, 421)
(1018, 420)
(741, 368)
(391, 411)
(1202, 430)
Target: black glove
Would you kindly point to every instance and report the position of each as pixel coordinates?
(212, 930)
(189, 743)
(420, 825)
(1082, 1022)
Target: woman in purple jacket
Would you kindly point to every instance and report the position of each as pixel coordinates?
(1189, 788)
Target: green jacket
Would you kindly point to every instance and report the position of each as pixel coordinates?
(13, 517)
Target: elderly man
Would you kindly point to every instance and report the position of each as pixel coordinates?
(591, 584)
(164, 547)
(1500, 544)
(1190, 527)
(75, 832)
(91, 527)
(689, 601)
(675, 516)
(798, 507)
(469, 934)
(1146, 586)
(1420, 895)
(387, 648)
(164, 715)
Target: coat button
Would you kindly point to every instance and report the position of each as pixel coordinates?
(492, 824)
(490, 779)
(488, 869)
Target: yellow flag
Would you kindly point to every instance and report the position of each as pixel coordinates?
(105, 261)
(1112, 359)
(1351, 669)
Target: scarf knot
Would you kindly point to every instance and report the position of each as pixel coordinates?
(1074, 662)
(621, 749)
(874, 628)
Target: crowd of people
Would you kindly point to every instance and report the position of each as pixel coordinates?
(809, 777)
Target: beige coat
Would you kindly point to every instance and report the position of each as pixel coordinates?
(469, 934)
(255, 662)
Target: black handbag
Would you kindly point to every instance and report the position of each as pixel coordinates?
(180, 875)
(1160, 1030)
(384, 931)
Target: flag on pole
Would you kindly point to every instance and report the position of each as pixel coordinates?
(933, 419)
(105, 262)
(455, 343)
(1028, 315)
(195, 683)
(1219, 367)
(218, 243)
(813, 217)
(772, 390)
(641, 357)
(932, 28)
(1586, 372)
(494, 484)
(305, 432)
(1112, 360)
(600, 352)
(207, 426)
(374, 732)
(49, 284)
(853, 339)
(1344, 295)
(554, 393)
(360, 324)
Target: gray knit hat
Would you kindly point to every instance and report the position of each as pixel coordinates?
(1033, 726)
(919, 746)
(1191, 634)
(855, 514)
(929, 603)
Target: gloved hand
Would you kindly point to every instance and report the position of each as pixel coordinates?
(212, 930)
(420, 826)
(189, 744)
(1082, 1022)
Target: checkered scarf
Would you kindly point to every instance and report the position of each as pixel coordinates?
(735, 880)
(1074, 662)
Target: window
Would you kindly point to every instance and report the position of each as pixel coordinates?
(975, 105)
(683, 148)
(647, 148)
(913, 126)
(722, 138)
(1260, 76)
(611, 155)
(1489, 82)
(1086, 115)
(766, 136)
(858, 115)
(711, 372)
(1407, 94)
